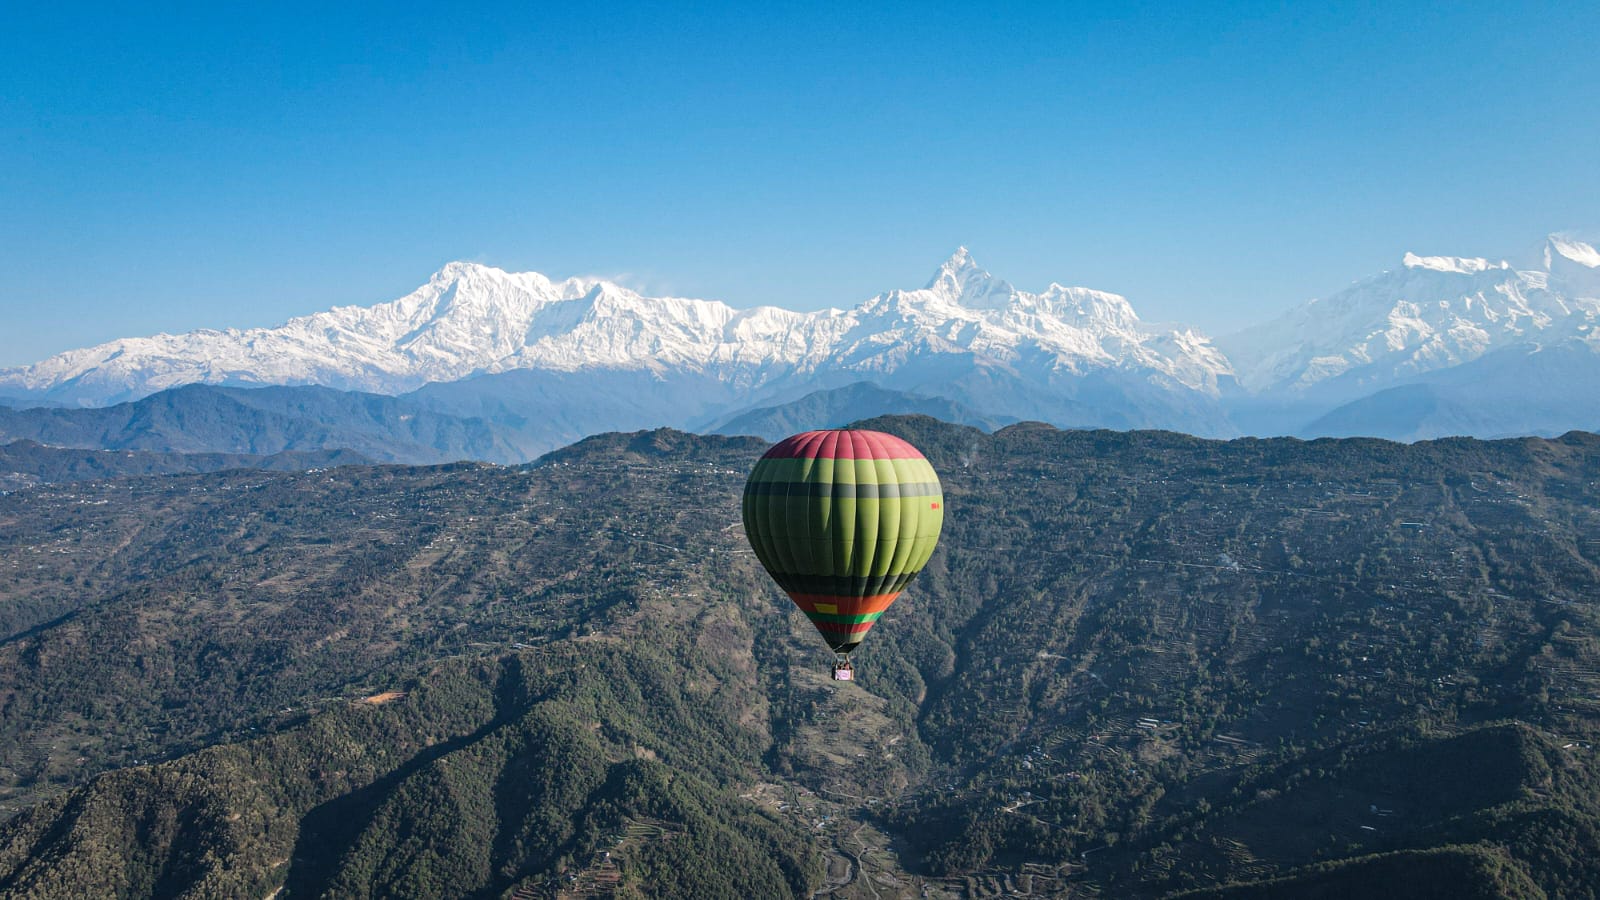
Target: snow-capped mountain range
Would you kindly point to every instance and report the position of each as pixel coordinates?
(473, 320)
(588, 354)
(1433, 313)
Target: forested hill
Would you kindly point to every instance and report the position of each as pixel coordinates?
(1140, 664)
(25, 464)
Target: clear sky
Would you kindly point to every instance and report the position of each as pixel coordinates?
(216, 165)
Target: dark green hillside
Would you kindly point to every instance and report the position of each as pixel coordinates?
(1139, 664)
(485, 777)
(1446, 873)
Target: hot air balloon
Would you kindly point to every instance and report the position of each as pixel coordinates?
(842, 520)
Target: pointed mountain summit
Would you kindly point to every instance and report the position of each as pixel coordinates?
(963, 282)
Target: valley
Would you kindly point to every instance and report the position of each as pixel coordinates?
(1139, 664)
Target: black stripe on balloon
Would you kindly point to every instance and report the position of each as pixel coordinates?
(843, 586)
(836, 491)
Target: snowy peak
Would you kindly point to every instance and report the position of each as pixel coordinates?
(1573, 248)
(1558, 251)
(1437, 312)
(963, 282)
(1088, 308)
(956, 272)
(1459, 264)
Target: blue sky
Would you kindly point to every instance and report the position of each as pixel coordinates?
(188, 166)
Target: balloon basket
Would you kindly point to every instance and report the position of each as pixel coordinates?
(843, 671)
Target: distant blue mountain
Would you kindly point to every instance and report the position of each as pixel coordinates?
(851, 403)
(1521, 390)
(264, 421)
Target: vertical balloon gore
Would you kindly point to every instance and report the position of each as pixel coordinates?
(842, 520)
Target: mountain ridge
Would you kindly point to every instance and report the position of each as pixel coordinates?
(548, 362)
(471, 319)
(1432, 314)
(201, 418)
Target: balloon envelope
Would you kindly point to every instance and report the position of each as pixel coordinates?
(843, 519)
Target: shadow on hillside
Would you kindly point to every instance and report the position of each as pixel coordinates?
(329, 831)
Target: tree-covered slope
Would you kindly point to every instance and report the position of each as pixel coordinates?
(1140, 663)
(25, 464)
(482, 777)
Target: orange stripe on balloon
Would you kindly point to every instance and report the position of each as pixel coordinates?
(843, 605)
(843, 627)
